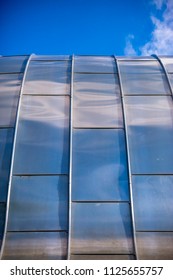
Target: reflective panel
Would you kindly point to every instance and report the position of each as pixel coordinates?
(144, 84)
(150, 126)
(2, 219)
(140, 66)
(43, 136)
(101, 228)
(13, 64)
(99, 165)
(95, 64)
(35, 246)
(168, 63)
(6, 138)
(152, 196)
(38, 203)
(50, 57)
(48, 78)
(9, 92)
(137, 58)
(155, 245)
(97, 101)
(171, 79)
(102, 257)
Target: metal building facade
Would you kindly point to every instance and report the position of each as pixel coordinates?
(86, 157)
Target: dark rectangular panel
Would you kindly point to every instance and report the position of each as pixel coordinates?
(102, 257)
(35, 246)
(152, 196)
(10, 85)
(101, 228)
(2, 219)
(38, 203)
(6, 140)
(13, 64)
(150, 132)
(99, 165)
(145, 84)
(97, 101)
(48, 78)
(95, 64)
(43, 136)
(140, 66)
(155, 245)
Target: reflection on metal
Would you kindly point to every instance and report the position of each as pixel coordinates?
(12, 158)
(97, 184)
(128, 160)
(165, 71)
(70, 160)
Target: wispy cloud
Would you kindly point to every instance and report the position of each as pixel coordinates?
(159, 3)
(129, 50)
(161, 41)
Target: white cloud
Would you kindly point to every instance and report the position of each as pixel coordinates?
(129, 50)
(161, 41)
(159, 3)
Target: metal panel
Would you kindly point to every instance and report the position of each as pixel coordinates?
(99, 165)
(102, 257)
(101, 228)
(155, 245)
(38, 203)
(140, 67)
(50, 57)
(145, 84)
(13, 64)
(153, 202)
(168, 63)
(2, 219)
(95, 64)
(43, 136)
(48, 78)
(35, 246)
(150, 128)
(97, 101)
(171, 79)
(9, 91)
(6, 138)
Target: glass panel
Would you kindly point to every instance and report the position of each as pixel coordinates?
(6, 138)
(171, 79)
(101, 228)
(38, 203)
(97, 101)
(150, 127)
(153, 205)
(138, 58)
(99, 165)
(102, 257)
(13, 64)
(168, 63)
(43, 136)
(9, 92)
(48, 78)
(95, 64)
(155, 245)
(2, 219)
(140, 66)
(144, 84)
(50, 57)
(35, 246)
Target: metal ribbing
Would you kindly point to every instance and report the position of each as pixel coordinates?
(165, 71)
(128, 159)
(12, 157)
(70, 158)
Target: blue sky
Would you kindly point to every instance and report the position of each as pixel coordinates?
(101, 27)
